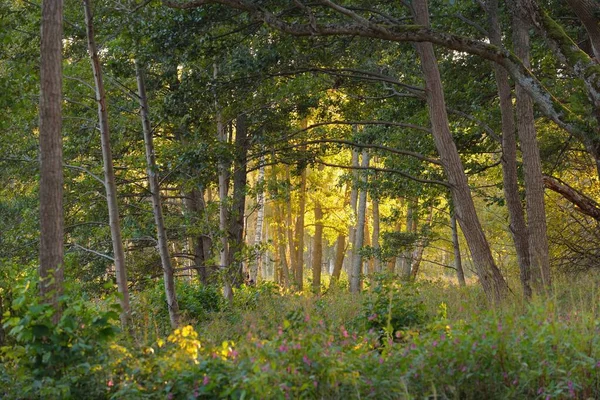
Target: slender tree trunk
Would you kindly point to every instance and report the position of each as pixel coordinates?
(375, 239)
(356, 269)
(353, 205)
(317, 253)
(290, 227)
(223, 177)
(532, 168)
(109, 173)
(518, 227)
(299, 273)
(489, 275)
(51, 175)
(421, 244)
(460, 273)
(260, 214)
(340, 252)
(151, 168)
(238, 207)
(406, 259)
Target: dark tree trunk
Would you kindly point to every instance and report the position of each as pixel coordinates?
(460, 273)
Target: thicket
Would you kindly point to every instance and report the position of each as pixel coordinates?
(428, 340)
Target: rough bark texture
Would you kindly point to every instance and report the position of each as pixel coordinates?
(317, 256)
(588, 12)
(460, 273)
(518, 227)
(489, 275)
(238, 206)
(51, 175)
(151, 168)
(109, 173)
(532, 168)
(356, 268)
(260, 216)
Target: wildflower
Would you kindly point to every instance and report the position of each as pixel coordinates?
(315, 384)
(344, 331)
(571, 389)
(435, 343)
(306, 318)
(110, 383)
(306, 360)
(283, 348)
(540, 390)
(499, 326)
(205, 380)
(380, 360)
(372, 317)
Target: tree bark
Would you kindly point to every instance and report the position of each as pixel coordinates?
(518, 227)
(151, 169)
(353, 205)
(460, 273)
(238, 206)
(583, 204)
(532, 168)
(290, 229)
(299, 273)
(340, 251)
(406, 259)
(51, 175)
(317, 257)
(489, 275)
(260, 214)
(375, 238)
(356, 269)
(109, 173)
(588, 12)
(420, 248)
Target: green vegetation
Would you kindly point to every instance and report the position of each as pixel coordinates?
(431, 339)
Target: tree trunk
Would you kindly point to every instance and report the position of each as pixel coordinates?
(518, 227)
(290, 228)
(411, 227)
(489, 275)
(422, 243)
(588, 11)
(223, 177)
(356, 269)
(340, 252)
(375, 239)
(317, 253)
(460, 273)
(238, 206)
(299, 273)
(353, 205)
(51, 175)
(532, 168)
(151, 168)
(109, 173)
(260, 214)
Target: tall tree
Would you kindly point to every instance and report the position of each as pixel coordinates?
(151, 168)
(109, 173)
(489, 275)
(51, 160)
(357, 259)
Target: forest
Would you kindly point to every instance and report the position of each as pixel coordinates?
(327, 199)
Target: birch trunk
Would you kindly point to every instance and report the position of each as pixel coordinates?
(151, 168)
(317, 258)
(109, 173)
(353, 205)
(260, 215)
(489, 275)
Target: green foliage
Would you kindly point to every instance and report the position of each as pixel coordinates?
(390, 307)
(56, 360)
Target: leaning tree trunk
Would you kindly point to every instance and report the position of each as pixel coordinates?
(356, 268)
(489, 275)
(260, 216)
(532, 168)
(151, 168)
(51, 174)
(588, 12)
(109, 173)
(518, 227)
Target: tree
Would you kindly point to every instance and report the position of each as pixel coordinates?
(51, 176)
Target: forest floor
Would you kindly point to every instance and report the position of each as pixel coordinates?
(397, 341)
